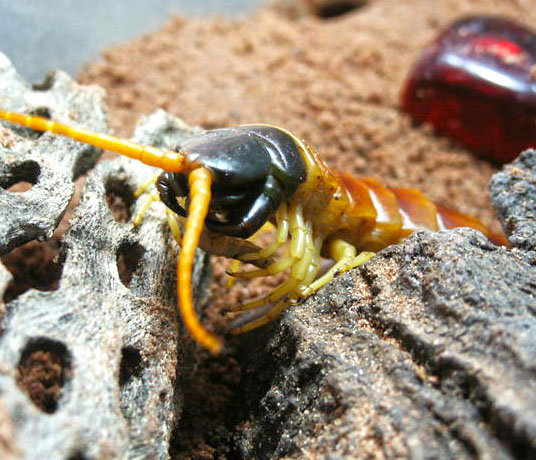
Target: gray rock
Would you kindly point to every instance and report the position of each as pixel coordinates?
(48, 161)
(427, 351)
(108, 338)
(513, 193)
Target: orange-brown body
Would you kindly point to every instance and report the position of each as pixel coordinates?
(366, 213)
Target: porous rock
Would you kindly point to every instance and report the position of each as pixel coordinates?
(513, 193)
(47, 161)
(88, 370)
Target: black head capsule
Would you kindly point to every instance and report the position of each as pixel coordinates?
(254, 169)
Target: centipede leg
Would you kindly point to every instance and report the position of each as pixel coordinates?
(252, 256)
(346, 258)
(172, 223)
(270, 315)
(149, 199)
(301, 254)
(303, 273)
(281, 238)
(145, 186)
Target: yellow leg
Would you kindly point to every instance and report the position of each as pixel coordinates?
(280, 239)
(143, 187)
(282, 220)
(231, 279)
(270, 315)
(237, 263)
(149, 199)
(270, 270)
(346, 258)
(313, 269)
(172, 222)
(300, 271)
(277, 267)
(298, 231)
(303, 272)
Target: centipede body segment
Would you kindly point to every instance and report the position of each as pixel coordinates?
(231, 182)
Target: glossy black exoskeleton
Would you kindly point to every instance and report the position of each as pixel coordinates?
(254, 168)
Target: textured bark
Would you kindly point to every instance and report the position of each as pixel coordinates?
(427, 351)
(513, 193)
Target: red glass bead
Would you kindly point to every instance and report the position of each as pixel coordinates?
(476, 83)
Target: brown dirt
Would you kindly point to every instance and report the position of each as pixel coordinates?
(34, 265)
(39, 264)
(41, 376)
(334, 82)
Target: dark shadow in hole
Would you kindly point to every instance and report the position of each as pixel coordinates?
(120, 198)
(46, 84)
(335, 8)
(31, 133)
(130, 365)
(34, 265)
(128, 260)
(44, 367)
(78, 456)
(20, 177)
(86, 161)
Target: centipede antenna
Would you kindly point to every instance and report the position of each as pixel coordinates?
(200, 180)
(167, 160)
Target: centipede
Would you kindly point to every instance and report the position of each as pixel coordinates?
(222, 187)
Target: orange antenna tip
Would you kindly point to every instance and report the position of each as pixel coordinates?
(200, 181)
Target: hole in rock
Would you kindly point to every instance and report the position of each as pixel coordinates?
(130, 365)
(78, 455)
(334, 8)
(20, 177)
(120, 198)
(128, 260)
(46, 84)
(44, 367)
(34, 265)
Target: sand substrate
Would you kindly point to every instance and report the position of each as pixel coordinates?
(335, 82)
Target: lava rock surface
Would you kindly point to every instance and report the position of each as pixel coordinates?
(513, 193)
(426, 351)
